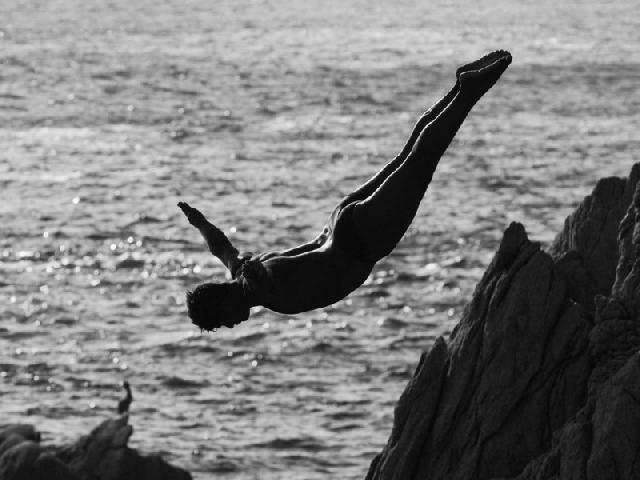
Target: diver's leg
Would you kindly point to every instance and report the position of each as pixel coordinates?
(371, 185)
(382, 219)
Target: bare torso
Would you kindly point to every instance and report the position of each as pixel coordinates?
(306, 281)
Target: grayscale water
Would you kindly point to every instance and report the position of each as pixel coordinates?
(263, 114)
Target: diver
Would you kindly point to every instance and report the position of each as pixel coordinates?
(363, 228)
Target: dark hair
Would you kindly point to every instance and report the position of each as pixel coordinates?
(214, 305)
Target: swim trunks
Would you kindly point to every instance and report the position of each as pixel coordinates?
(346, 236)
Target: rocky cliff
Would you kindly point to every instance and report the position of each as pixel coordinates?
(540, 379)
(101, 455)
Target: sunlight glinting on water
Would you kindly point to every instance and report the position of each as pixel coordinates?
(263, 115)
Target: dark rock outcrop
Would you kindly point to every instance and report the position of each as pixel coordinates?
(101, 455)
(540, 379)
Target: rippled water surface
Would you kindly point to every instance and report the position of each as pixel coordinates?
(263, 114)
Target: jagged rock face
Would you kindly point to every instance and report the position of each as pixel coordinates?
(541, 377)
(587, 246)
(101, 455)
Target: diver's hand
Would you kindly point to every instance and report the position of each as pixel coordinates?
(218, 243)
(195, 217)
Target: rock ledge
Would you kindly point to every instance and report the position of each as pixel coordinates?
(101, 455)
(540, 379)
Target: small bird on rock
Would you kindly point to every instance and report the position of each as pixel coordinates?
(125, 402)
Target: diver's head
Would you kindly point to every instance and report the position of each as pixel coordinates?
(214, 305)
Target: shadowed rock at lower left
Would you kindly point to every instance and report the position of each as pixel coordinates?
(101, 455)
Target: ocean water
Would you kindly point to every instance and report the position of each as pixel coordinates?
(263, 114)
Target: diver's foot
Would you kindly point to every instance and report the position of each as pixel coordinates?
(485, 61)
(477, 82)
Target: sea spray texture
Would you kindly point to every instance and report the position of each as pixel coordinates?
(266, 114)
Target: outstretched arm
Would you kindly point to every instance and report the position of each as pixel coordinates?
(218, 243)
